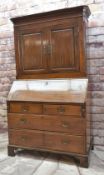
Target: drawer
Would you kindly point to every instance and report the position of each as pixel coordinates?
(65, 143)
(74, 126)
(20, 107)
(25, 138)
(25, 121)
(47, 140)
(65, 124)
(74, 110)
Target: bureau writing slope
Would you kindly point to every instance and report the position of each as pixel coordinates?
(47, 102)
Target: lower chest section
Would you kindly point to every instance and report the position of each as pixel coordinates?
(57, 127)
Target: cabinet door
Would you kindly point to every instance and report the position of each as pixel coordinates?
(64, 48)
(32, 58)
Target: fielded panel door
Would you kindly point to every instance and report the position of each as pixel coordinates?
(32, 56)
(64, 48)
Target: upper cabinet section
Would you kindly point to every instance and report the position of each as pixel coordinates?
(51, 44)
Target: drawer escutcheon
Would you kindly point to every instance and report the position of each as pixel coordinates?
(65, 142)
(61, 109)
(25, 108)
(23, 138)
(23, 120)
(65, 125)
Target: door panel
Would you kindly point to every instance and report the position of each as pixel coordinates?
(64, 54)
(32, 50)
(33, 58)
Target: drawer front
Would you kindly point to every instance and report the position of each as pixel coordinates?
(47, 140)
(65, 124)
(62, 110)
(25, 121)
(75, 126)
(19, 107)
(25, 138)
(65, 143)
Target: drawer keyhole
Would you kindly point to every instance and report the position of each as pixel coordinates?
(61, 109)
(23, 138)
(23, 120)
(25, 108)
(65, 125)
(65, 142)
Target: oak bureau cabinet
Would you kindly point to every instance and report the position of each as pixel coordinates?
(47, 102)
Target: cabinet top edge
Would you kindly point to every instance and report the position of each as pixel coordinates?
(81, 10)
